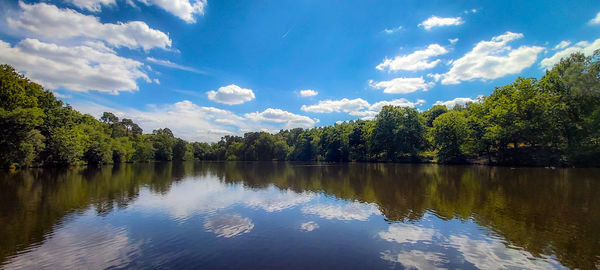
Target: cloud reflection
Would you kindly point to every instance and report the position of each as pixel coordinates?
(309, 226)
(406, 233)
(228, 225)
(416, 259)
(347, 211)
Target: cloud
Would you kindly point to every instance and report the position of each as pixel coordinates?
(392, 30)
(492, 59)
(453, 40)
(402, 85)
(416, 259)
(595, 20)
(228, 225)
(198, 123)
(406, 233)
(167, 63)
(308, 93)
(343, 105)
(309, 226)
(50, 22)
(493, 254)
(78, 68)
(347, 211)
(79, 244)
(584, 47)
(435, 21)
(457, 101)
(184, 9)
(417, 60)
(91, 5)
(374, 109)
(563, 44)
(291, 120)
(231, 95)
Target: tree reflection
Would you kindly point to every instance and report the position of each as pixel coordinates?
(543, 211)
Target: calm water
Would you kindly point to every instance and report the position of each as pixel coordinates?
(299, 216)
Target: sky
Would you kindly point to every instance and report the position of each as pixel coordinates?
(211, 68)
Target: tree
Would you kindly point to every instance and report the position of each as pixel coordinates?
(449, 133)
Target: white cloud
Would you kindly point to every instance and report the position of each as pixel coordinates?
(435, 21)
(402, 85)
(91, 5)
(50, 22)
(79, 244)
(596, 20)
(184, 9)
(78, 68)
(561, 45)
(167, 63)
(492, 59)
(231, 95)
(343, 105)
(417, 60)
(197, 123)
(392, 30)
(416, 259)
(493, 254)
(308, 93)
(401, 102)
(453, 40)
(347, 211)
(457, 101)
(291, 120)
(228, 225)
(309, 226)
(584, 47)
(406, 233)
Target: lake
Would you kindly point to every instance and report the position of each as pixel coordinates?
(257, 215)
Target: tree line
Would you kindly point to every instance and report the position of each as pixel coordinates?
(553, 121)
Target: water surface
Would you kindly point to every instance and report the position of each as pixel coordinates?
(294, 215)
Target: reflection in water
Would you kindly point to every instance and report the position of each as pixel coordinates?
(407, 233)
(79, 246)
(345, 211)
(368, 215)
(309, 226)
(228, 225)
(416, 259)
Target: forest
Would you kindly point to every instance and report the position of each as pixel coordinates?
(551, 121)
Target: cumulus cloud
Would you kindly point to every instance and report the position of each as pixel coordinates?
(291, 120)
(457, 101)
(358, 107)
(435, 21)
(596, 20)
(417, 60)
(184, 9)
(91, 5)
(231, 95)
(492, 59)
(167, 63)
(308, 93)
(347, 211)
(198, 123)
(342, 105)
(78, 68)
(228, 225)
(402, 85)
(584, 47)
(51, 22)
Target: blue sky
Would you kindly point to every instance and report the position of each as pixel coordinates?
(208, 69)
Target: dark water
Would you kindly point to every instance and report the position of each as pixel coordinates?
(300, 216)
